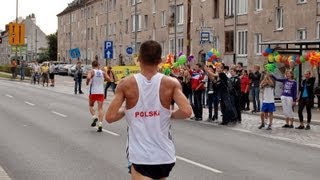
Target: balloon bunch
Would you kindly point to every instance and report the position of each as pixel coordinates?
(312, 57)
(213, 56)
(170, 64)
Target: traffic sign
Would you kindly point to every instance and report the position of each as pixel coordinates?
(74, 53)
(129, 50)
(16, 33)
(108, 49)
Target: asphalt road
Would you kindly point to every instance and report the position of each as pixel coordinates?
(47, 135)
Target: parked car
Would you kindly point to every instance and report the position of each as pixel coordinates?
(71, 68)
(86, 69)
(63, 69)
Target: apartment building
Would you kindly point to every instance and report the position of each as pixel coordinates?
(35, 41)
(234, 27)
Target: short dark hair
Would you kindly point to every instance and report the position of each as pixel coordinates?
(199, 65)
(150, 53)
(95, 63)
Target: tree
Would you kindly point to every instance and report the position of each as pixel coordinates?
(52, 46)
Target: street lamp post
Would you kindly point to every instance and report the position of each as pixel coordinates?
(175, 29)
(135, 26)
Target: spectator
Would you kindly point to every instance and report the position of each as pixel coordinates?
(78, 78)
(236, 93)
(197, 86)
(268, 107)
(212, 95)
(45, 74)
(306, 98)
(288, 97)
(255, 78)
(111, 83)
(245, 87)
(51, 74)
(22, 69)
(13, 67)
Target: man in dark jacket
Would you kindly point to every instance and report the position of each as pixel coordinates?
(255, 78)
(306, 96)
(78, 78)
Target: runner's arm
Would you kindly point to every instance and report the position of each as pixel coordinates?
(184, 108)
(89, 76)
(115, 112)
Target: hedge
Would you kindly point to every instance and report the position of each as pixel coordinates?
(6, 68)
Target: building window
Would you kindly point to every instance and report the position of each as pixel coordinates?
(180, 45)
(318, 7)
(114, 28)
(301, 34)
(92, 33)
(229, 39)
(215, 8)
(154, 34)
(242, 43)
(134, 24)
(242, 7)
(127, 25)
(133, 2)
(301, 1)
(258, 5)
(154, 6)
(146, 22)
(163, 18)
(229, 7)
(318, 30)
(171, 46)
(257, 41)
(279, 18)
(180, 13)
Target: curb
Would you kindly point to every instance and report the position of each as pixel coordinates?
(278, 116)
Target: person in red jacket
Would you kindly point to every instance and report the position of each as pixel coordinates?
(197, 86)
(245, 89)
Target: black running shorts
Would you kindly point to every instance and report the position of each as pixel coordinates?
(154, 171)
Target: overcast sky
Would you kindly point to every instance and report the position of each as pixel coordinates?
(45, 11)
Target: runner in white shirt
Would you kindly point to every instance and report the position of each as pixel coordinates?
(96, 78)
(147, 97)
(268, 107)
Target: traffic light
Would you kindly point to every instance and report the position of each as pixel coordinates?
(16, 33)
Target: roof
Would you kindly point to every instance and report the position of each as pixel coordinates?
(74, 5)
(296, 42)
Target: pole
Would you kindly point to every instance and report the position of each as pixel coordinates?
(235, 33)
(36, 46)
(189, 28)
(175, 29)
(87, 34)
(16, 53)
(135, 26)
(70, 37)
(107, 26)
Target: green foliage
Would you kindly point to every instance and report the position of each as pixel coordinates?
(52, 46)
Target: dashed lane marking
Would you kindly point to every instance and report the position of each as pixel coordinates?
(3, 174)
(313, 145)
(199, 165)
(29, 103)
(59, 114)
(9, 96)
(109, 132)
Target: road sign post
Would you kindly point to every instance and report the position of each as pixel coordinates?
(108, 50)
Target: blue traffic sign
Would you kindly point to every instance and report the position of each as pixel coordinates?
(108, 49)
(74, 53)
(129, 50)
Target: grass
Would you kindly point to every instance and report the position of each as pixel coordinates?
(5, 75)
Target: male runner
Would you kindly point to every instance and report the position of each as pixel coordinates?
(148, 96)
(96, 79)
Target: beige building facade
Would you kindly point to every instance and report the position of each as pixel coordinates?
(234, 27)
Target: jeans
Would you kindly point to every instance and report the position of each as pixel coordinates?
(77, 84)
(197, 106)
(255, 92)
(113, 87)
(302, 103)
(213, 100)
(22, 73)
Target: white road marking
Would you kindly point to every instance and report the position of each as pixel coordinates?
(59, 114)
(314, 145)
(9, 96)
(198, 164)
(29, 103)
(241, 130)
(110, 132)
(3, 174)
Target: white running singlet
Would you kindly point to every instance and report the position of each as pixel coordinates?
(97, 82)
(149, 138)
